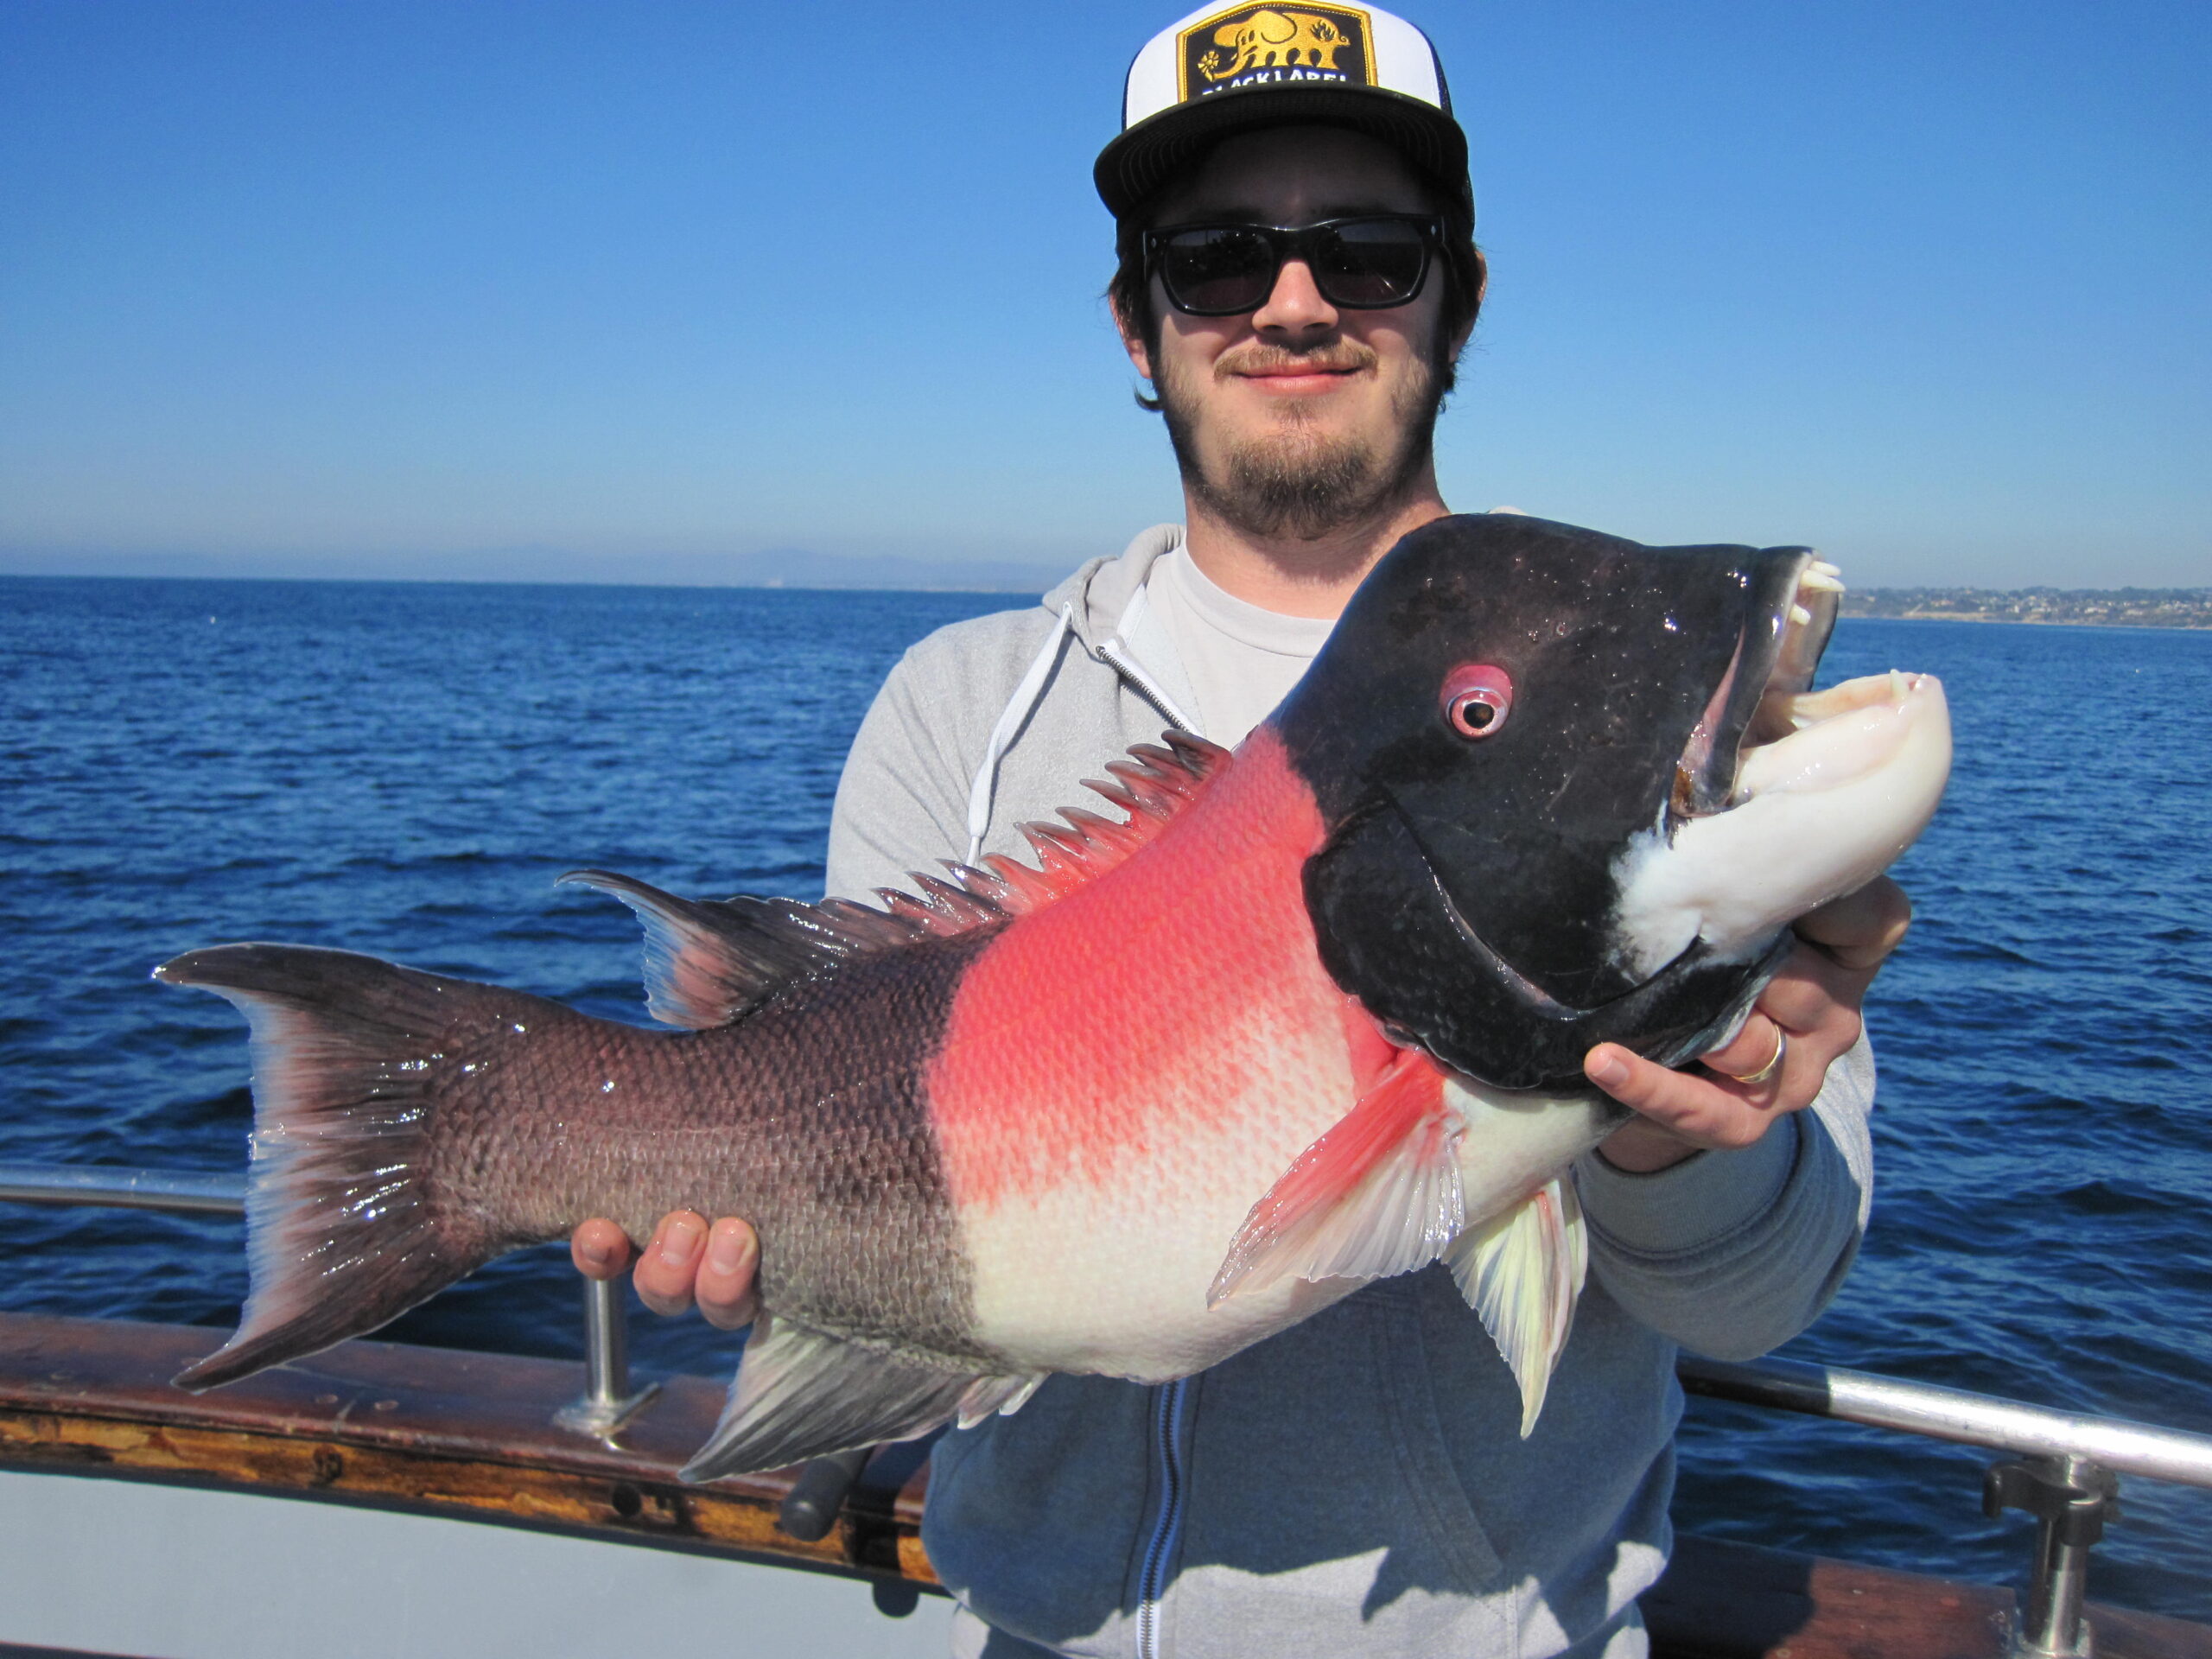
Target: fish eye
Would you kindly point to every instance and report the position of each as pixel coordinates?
(1475, 698)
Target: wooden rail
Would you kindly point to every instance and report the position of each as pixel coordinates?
(470, 1436)
(426, 1429)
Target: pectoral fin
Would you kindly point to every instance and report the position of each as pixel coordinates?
(1522, 1272)
(800, 1394)
(1378, 1194)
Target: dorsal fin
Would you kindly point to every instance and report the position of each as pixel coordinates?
(709, 962)
(1153, 785)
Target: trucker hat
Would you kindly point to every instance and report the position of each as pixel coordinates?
(1225, 68)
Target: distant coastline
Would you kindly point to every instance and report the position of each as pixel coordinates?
(791, 568)
(2108, 607)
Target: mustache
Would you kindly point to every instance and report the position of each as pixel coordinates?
(1259, 357)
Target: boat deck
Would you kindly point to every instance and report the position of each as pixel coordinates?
(471, 1436)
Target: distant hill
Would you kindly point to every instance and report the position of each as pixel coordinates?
(775, 568)
(2130, 608)
(2161, 608)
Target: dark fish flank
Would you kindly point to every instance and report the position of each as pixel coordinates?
(805, 1114)
(518, 1118)
(843, 1060)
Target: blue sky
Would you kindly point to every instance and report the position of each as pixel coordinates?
(314, 284)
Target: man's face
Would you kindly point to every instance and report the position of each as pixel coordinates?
(1299, 418)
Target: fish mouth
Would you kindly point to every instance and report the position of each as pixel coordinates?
(1829, 737)
(1812, 796)
(1759, 699)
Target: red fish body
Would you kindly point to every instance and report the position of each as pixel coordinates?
(1201, 1072)
(1125, 1070)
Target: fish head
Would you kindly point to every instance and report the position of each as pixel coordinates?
(1574, 789)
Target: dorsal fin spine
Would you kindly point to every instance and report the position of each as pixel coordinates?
(711, 961)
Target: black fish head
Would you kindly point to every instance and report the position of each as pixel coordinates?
(1505, 706)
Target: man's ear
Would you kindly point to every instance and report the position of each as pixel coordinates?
(1133, 341)
(1467, 328)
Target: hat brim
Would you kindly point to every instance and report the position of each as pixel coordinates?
(1141, 160)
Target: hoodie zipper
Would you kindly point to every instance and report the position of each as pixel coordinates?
(1110, 651)
(1167, 1450)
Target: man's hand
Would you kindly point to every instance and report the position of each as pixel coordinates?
(685, 1261)
(1814, 1002)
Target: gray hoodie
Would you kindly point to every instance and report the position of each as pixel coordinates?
(1356, 1485)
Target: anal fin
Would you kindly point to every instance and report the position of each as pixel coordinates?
(799, 1394)
(1522, 1272)
(1379, 1194)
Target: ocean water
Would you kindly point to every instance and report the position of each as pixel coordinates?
(404, 770)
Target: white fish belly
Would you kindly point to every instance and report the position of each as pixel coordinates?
(1516, 1142)
(1113, 1278)
(1111, 1275)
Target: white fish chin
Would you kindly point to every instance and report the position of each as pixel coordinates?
(1814, 815)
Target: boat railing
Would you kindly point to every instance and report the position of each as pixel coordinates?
(2062, 1467)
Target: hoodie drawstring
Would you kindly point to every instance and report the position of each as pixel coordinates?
(1016, 711)
(1024, 698)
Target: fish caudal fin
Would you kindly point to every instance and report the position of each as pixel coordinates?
(342, 1234)
(1522, 1272)
(801, 1394)
(1379, 1194)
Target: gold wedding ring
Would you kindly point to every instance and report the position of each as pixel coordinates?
(1765, 1074)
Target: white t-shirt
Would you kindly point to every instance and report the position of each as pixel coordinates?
(1238, 660)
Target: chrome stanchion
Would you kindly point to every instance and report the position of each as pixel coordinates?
(2071, 1498)
(608, 1401)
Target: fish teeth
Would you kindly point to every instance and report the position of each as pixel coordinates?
(1820, 579)
(1800, 615)
(1900, 684)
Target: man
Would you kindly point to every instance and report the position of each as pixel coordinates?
(1298, 279)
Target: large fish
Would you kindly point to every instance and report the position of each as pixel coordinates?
(1305, 1016)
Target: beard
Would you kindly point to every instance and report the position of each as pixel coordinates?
(1298, 481)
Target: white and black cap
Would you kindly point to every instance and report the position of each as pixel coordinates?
(1224, 69)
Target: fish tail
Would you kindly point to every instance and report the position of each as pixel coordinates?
(346, 1229)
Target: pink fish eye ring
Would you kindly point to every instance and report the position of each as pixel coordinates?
(1475, 698)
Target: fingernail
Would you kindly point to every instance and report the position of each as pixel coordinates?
(678, 1242)
(594, 1256)
(727, 1250)
(1609, 1069)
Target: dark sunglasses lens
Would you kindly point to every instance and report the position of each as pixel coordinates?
(1372, 261)
(1221, 270)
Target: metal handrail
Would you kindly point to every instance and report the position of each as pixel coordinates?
(2000, 1425)
(608, 1401)
(183, 1191)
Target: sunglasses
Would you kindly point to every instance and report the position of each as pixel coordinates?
(1363, 264)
